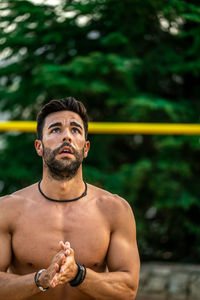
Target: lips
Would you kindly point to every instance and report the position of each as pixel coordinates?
(66, 150)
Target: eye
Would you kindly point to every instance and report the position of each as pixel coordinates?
(75, 130)
(55, 130)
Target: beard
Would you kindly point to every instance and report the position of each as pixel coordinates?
(65, 168)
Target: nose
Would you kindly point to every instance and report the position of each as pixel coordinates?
(67, 137)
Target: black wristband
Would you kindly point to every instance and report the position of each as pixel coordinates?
(80, 276)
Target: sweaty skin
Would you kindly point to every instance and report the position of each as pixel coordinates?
(97, 230)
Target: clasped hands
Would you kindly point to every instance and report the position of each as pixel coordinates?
(62, 269)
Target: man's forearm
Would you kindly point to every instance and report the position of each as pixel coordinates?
(111, 285)
(17, 287)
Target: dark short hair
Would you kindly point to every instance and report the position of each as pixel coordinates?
(70, 104)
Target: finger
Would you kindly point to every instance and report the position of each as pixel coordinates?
(62, 269)
(64, 259)
(52, 284)
(67, 252)
(67, 244)
(62, 245)
(53, 281)
(61, 258)
(57, 267)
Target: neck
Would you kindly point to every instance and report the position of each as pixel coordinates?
(62, 189)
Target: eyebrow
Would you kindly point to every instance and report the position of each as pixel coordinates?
(60, 124)
(55, 124)
(76, 124)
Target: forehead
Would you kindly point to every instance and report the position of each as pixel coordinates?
(65, 117)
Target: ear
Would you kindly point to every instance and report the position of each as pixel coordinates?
(86, 148)
(39, 147)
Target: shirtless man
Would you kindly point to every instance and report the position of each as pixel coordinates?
(51, 229)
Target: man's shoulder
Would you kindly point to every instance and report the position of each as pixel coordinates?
(16, 197)
(109, 201)
(12, 205)
(113, 207)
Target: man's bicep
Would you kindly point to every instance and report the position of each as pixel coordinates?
(5, 236)
(5, 250)
(123, 251)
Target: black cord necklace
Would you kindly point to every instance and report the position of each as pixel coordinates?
(70, 200)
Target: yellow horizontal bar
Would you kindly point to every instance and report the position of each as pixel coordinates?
(115, 128)
(145, 128)
(23, 126)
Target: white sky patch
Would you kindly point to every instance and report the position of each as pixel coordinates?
(22, 18)
(49, 2)
(32, 25)
(58, 4)
(3, 5)
(63, 15)
(93, 35)
(2, 40)
(4, 24)
(174, 30)
(138, 139)
(82, 20)
(151, 212)
(4, 116)
(6, 58)
(69, 14)
(15, 85)
(10, 28)
(5, 12)
(23, 51)
(5, 63)
(164, 23)
(5, 53)
(171, 27)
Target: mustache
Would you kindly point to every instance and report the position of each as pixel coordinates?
(65, 144)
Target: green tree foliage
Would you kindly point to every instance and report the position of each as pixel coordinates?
(130, 60)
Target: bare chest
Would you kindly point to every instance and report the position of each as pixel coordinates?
(38, 232)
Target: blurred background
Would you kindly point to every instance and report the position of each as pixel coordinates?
(128, 61)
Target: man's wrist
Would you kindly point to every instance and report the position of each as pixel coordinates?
(42, 280)
(75, 272)
(80, 275)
